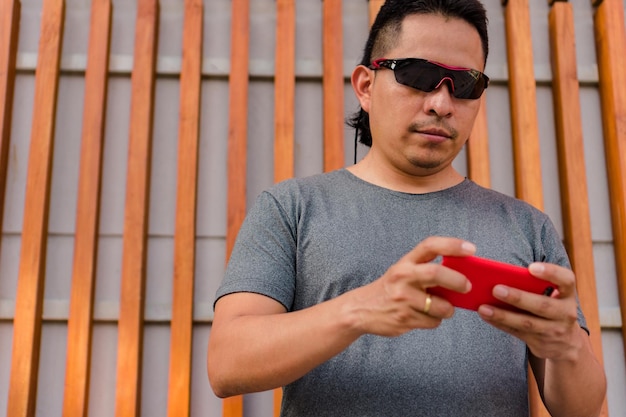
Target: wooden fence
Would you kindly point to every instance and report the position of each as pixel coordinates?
(27, 321)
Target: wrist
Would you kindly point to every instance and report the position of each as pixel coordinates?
(351, 317)
(573, 352)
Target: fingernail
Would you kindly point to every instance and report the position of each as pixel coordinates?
(500, 291)
(536, 268)
(485, 311)
(468, 247)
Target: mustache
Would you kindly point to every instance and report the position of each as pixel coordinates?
(439, 126)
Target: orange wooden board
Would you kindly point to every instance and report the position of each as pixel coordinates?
(610, 37)
(132, 292)
(31, 275)
(181, 336)
(75, 400)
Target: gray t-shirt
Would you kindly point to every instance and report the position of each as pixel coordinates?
(309, 240)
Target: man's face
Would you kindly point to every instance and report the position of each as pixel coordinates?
(415, 132)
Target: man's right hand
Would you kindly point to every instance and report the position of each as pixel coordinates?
(396, 302)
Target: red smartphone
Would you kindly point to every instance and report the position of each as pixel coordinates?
(484, 274)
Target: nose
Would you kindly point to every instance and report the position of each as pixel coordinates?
(450, 83)
(439, 101)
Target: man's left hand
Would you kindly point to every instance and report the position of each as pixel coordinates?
(548, 325)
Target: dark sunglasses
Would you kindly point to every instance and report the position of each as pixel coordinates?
(428, 76)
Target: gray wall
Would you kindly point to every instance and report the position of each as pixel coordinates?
(212, 176)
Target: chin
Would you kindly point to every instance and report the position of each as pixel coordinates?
(426, 164)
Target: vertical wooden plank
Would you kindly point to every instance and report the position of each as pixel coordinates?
(284, 96)
(278, 398)
(333, 84)
(610, 37)
(31, 278)
(478, 148)
(76, 394)
(572, 173)
(132, 297)
(238, 124)
(237, 143)
(524, 127)
(523, 96)
(284, 89)
(374, 7)
(184, 237)
(9, 30)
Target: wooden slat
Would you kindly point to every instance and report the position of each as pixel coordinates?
(284, 103)
(284, 89)
(522, 90)
(237, 142)
(610, 46)
(184, 237)
(374, 7)
(573, 179)
(9, 29)
(237, 120)
(233, 406)
(524, 127)
(576, 219)
(333, 84)
(278, 398)
(76, 395)
(478, 148)
(31, 278)
(132, 296)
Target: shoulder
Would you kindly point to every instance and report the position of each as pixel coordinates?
(496, 207)
(479, 194)
(289, 198)
(307, 187)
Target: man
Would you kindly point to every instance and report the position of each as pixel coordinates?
(326, 292)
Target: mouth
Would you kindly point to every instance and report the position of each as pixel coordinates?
(435, 132)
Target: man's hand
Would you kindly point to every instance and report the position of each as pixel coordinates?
(397, 302)
(550, 329)
(570, 378)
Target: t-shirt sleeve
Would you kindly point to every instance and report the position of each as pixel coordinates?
(263, 257)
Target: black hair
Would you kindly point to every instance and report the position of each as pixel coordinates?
(387, 27)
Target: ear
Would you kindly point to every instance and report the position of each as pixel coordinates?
(362, 81)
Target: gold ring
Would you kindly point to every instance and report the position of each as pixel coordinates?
(429, 301)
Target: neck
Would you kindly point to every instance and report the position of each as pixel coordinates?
(407, 182)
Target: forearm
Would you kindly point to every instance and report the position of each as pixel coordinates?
(255, 345)
(575, 386)
(252, 353)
